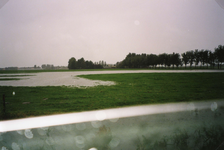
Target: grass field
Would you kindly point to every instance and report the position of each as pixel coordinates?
(5, 79)
(11, 77)
(131, 89)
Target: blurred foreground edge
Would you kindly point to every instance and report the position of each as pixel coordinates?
(100, 115)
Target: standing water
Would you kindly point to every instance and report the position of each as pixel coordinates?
(71, 79)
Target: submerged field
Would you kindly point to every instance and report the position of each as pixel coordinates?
(130, 89)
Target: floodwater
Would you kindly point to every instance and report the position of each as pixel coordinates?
(190, 125)
(71, 79)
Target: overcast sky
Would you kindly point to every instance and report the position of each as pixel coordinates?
(36, 32)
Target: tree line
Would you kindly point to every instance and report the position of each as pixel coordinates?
(196, 57)
(82, 64)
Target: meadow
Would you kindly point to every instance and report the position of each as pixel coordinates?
(130, 89)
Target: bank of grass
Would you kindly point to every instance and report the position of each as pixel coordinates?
(131, 89)
(11, 77)
(6, 79)
(8, 75)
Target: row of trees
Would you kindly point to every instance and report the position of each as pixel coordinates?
(82, 64)
(46, 66)
(196, 57)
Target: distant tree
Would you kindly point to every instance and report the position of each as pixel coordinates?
(161, 59)
(206, 57)
(72, 63)
(167, 60)
(89, 64)
(118, 64)
(202, 58)
(98, 66)
(133, 60)
(152, 60)
(143, 62)
(172, 59)
(185, 59)
(81, 63)
(43, 66)
(197, 57)
(191, 57)
(130, 61)
(136, 63)
(47, 66)
(175, 59)
(219, 52)
(211, 57)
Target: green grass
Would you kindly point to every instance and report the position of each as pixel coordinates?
(131, 89)
(15, 75)
(2, 77)
(6, 79)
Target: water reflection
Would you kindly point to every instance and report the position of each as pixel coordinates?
(96, 124)
(214, 106)
(81, 126)
(28, 133)
(50, 141)
(20, 132)
(93, 148)
(4, 148)
(41, 131)
(114, 143)
(80, 141)
(15, 146)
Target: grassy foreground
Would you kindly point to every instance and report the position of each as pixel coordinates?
(131, 89)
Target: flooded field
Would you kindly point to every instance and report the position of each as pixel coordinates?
(70, 79)
(185, 126)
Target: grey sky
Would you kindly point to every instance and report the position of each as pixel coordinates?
(36, 32)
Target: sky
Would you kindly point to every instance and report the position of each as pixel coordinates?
(51, 32)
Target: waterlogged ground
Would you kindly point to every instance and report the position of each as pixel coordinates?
(190, 126)
(52, 79)
(70, 79)
(198, 126)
